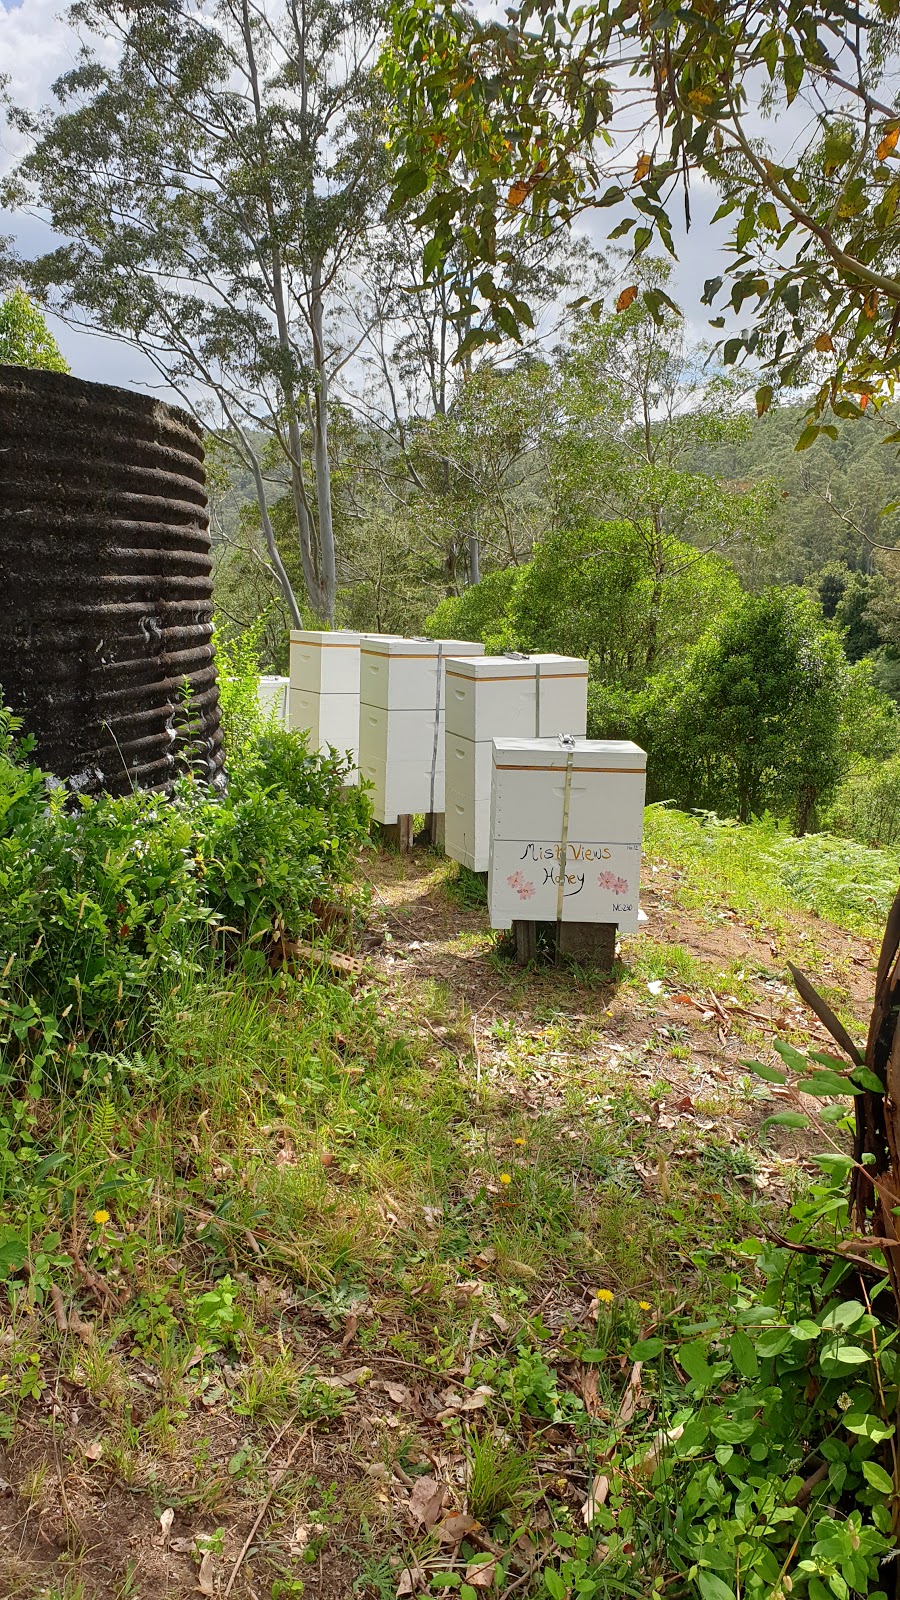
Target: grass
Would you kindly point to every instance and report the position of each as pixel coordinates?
(304, 1216)
(766, 873)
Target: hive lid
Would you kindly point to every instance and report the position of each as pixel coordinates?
(489, 668)
(589, 755)
(425, 649)
(337, 639)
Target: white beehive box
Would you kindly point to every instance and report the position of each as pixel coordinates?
(329, 719)
(401, 740)
(504, 696)
(273, 698)
(325, 663)
(467, 800)
(408, 674)
(493, 696)
(605, 782)
(324, 687)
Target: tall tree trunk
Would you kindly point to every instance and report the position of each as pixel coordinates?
(305, 524)
(474, 559)
(328, 564)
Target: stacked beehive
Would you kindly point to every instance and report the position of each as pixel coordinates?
(273, 698)
(324, 694)
(566, 826)
(401, 722)
(493, 696)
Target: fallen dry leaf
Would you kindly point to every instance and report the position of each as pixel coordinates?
(399, 1393)
(647, 1464)
(410, 1579)
(597, 1494)
(589, 1393)
(165, 1523)
(481, 1574)
(425, 1502)
(205, 1583)
(478, 1398)
(631, 1396)
(93, 1451)
(454, 1528)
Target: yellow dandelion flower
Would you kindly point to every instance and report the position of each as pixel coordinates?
(644, 1305)
(518, 1141)
(100, 1217)
(606, 1296)
(505, 1177)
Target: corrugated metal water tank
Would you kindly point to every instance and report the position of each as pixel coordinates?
(105, 582)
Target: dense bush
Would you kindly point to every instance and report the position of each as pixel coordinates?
(764, 714)
(867, 805)
(103, 900)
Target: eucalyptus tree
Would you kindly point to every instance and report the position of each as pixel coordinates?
(215, 167)
(457, 422)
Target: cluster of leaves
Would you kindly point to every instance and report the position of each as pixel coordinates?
(530, 115)
(25, 339)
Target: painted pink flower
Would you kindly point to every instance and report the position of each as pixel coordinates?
(526, 890)
(515, 880)
(621, 886)
(608, 880)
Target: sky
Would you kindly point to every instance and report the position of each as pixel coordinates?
(37, 46)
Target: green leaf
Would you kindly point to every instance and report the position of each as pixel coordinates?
(877, 1477)
(867, 1079)
(13, 1252)
(868, 1426)
(786, 1119)
(833, 1113)
(827, 1085)
(692, 1357)
(850, 1355)
(804, 1330)
(733, 1432)
(646, 1349)
(771, 1074)
(554, 1584)
(809, 436)
(713, 1588)
(743, 1354)
(845, 1315)
(792, 1058)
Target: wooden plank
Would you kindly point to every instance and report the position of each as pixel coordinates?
(526, 941)
(397, 835)
(587, 941)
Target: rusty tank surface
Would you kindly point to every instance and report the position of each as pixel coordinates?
(105, 583)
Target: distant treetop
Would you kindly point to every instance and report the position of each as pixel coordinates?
(25, 339)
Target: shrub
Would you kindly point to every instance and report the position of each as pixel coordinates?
(102, 900)
(480, 612)
(867, 805)
(765, 714)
